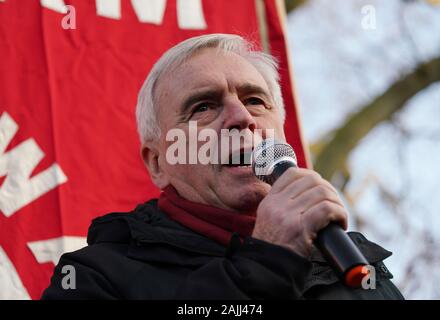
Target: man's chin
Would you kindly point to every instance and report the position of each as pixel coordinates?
(242, 190)
(247, 197)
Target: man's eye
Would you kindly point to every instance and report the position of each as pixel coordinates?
(201, 108)
(254, 101)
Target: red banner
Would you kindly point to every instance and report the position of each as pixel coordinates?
(70, 72)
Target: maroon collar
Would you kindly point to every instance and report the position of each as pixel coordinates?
(215, 223)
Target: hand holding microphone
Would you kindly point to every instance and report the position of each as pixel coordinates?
(301, 209)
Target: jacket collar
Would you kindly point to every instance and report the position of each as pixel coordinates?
(323, 274)
(372, 252)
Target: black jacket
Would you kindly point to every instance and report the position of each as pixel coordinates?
(145, 255)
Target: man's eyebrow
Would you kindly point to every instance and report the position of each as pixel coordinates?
(216, 94)
(207, 94)
(249, 88)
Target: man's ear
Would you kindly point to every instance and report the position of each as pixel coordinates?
(150, 156)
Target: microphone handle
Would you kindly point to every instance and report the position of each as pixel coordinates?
(342, 254)
(334, 243)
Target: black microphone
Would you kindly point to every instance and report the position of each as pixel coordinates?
(270, 159)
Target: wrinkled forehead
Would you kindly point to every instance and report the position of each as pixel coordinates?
(208, 67)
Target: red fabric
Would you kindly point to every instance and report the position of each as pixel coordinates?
(214, 223)
(71, 96)
(279, 48)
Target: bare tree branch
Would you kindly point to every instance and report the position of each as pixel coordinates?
(334, 152)
(293, 4)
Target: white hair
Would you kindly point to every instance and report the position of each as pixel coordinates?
(266, 64)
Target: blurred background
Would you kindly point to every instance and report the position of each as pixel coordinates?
(367, 76)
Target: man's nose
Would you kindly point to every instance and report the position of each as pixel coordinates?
(237, 116)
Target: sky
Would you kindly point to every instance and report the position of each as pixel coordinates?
(349, 66)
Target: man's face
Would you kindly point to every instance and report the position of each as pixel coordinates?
(219, 91)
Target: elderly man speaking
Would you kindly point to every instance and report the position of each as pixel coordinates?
(216, 231)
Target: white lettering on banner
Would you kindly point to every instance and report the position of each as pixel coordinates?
(18, 190)
(189, 12)
(109, 9)
(55, 5)
(50, 250)
(11, 286)
(149, 11)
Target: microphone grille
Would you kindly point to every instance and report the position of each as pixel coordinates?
(268, 153)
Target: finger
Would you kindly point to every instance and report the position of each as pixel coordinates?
(320, 215)
(313, 196)
(288, 177)
(328, 184)
(305, 183)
